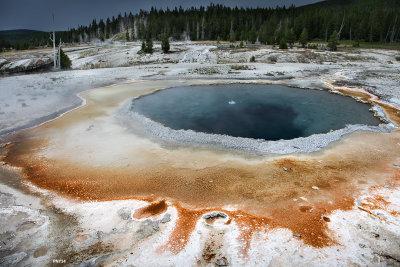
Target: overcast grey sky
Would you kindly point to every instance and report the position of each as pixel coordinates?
(36, 14)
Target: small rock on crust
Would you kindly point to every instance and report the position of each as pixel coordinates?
(375, 234)
(286, 169)
(166, 218)
(221, 262)
(215, 214)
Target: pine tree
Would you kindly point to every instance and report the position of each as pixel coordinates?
(290, 37)
(252, 36)
(303, 38)
(367, 20)
(149, 46)
(283, 44)
(65, 61)
(333, 41)
(165, 44)
(143, 47)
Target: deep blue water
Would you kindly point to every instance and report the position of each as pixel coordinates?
(269, 112)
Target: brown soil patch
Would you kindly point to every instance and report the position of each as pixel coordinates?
(80, 238)
(39, 252)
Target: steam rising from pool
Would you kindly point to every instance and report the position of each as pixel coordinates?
(269, 112)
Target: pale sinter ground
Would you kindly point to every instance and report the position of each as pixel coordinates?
(39, 227)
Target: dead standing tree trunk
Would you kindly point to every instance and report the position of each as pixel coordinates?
(59, 55)
(393, 31)
(341, 26)
(53, 39)
(202, 28)
(326, 35)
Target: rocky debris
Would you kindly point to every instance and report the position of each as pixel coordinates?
(315, 187)
(147, 228)
(222, 262)
(13, 260)
(215, 215)
(287, 169)
(297, 235)
(166, 218)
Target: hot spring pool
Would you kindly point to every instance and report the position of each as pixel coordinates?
(269, 112)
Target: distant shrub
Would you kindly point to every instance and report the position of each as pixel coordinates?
(253, 59)
(240, 67)
(398, 58)
(241, 44)
(207, 71)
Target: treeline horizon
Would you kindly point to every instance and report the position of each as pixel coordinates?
(356, 20)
